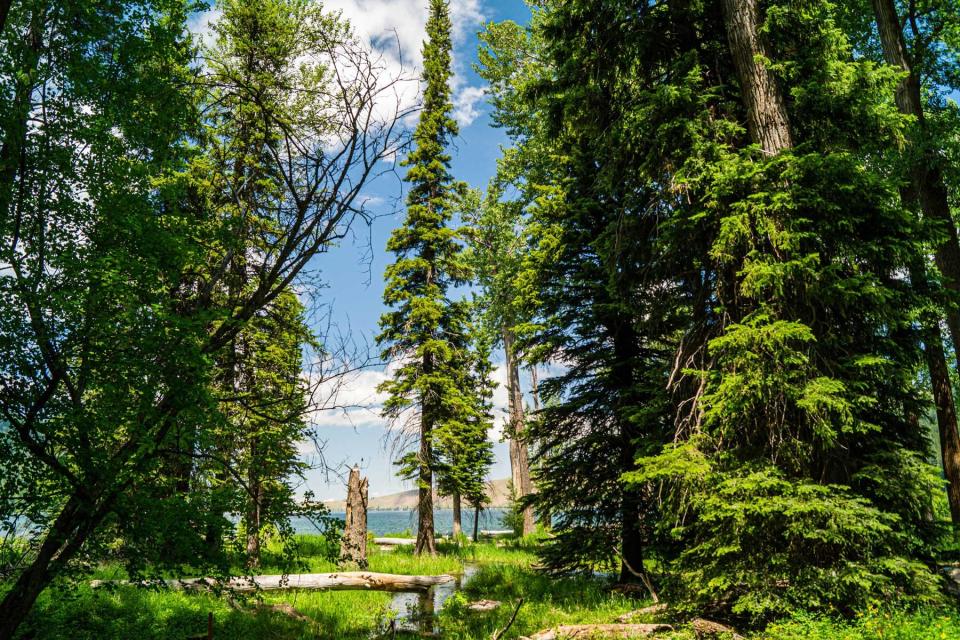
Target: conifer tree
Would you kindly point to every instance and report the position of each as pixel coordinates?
(808, 389)
(424, 333)
(464, 449)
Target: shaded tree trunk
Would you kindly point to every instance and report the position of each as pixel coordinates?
(929, 191)
(457, 520)
(767, 121)
(476, 522)
(4, 12)
(946, 418)
(519, 454)
(353, 546)
(426, 541)
(254, 508)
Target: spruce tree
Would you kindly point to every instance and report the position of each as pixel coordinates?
(784, 496)
(424, 333)
(464, 449)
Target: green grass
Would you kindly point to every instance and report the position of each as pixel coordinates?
(546, 602)
(506, 572)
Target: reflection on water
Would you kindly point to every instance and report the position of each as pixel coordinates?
(417, 612)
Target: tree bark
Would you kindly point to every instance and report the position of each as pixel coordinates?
(476, 522)
(426, 540)
(457, 519)
(929, 190)
(946, 418)
(254, 506)
(76, 521)
(519, 454)
(353, 546)
(767, 121)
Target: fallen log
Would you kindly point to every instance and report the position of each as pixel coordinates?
(343, 581)
(394, 542)
(585, 631)
(496, 533)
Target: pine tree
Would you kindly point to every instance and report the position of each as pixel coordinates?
(424, 333)
(582, 279)
(464, 450)
(784, 496)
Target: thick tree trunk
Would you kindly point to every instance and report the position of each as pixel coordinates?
(929, 190)
(353, 546)
(457, 519)
(926, 175)
(946, 418)
(519, 454)
(426, 540)
(66, 536)
(767, 120)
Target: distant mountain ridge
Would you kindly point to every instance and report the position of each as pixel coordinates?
(498, 491)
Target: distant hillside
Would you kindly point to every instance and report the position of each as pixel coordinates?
(497, 491)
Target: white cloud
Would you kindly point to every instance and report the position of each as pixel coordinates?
(396, 29)
(466, 105)
(201, 25)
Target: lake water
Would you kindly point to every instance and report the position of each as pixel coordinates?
(381, 523)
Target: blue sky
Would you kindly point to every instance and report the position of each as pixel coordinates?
(353, 272)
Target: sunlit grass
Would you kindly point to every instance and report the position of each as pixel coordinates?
(505, 571)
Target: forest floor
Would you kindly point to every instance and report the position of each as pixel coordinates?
(504, 573)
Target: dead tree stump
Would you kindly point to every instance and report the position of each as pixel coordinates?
(353, 547)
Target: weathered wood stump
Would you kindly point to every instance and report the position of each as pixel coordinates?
(353, 546)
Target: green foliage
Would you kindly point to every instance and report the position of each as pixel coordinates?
(439, 383)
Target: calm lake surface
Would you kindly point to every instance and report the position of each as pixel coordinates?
(384, 522)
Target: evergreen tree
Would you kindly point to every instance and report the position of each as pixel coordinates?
(424, 333)
(464, 449)
(497, 244)
(598, 307)
(784, 497)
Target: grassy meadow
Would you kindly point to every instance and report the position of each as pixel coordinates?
(504, 571)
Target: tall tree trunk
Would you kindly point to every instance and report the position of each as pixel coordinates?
(519, 455)
(254, 508)
(929, 190)
(457, 521)
(426, 541)
(946, 418)
(476, 522)
(767, 120)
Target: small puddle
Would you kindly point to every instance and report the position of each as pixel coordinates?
(417, 612)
